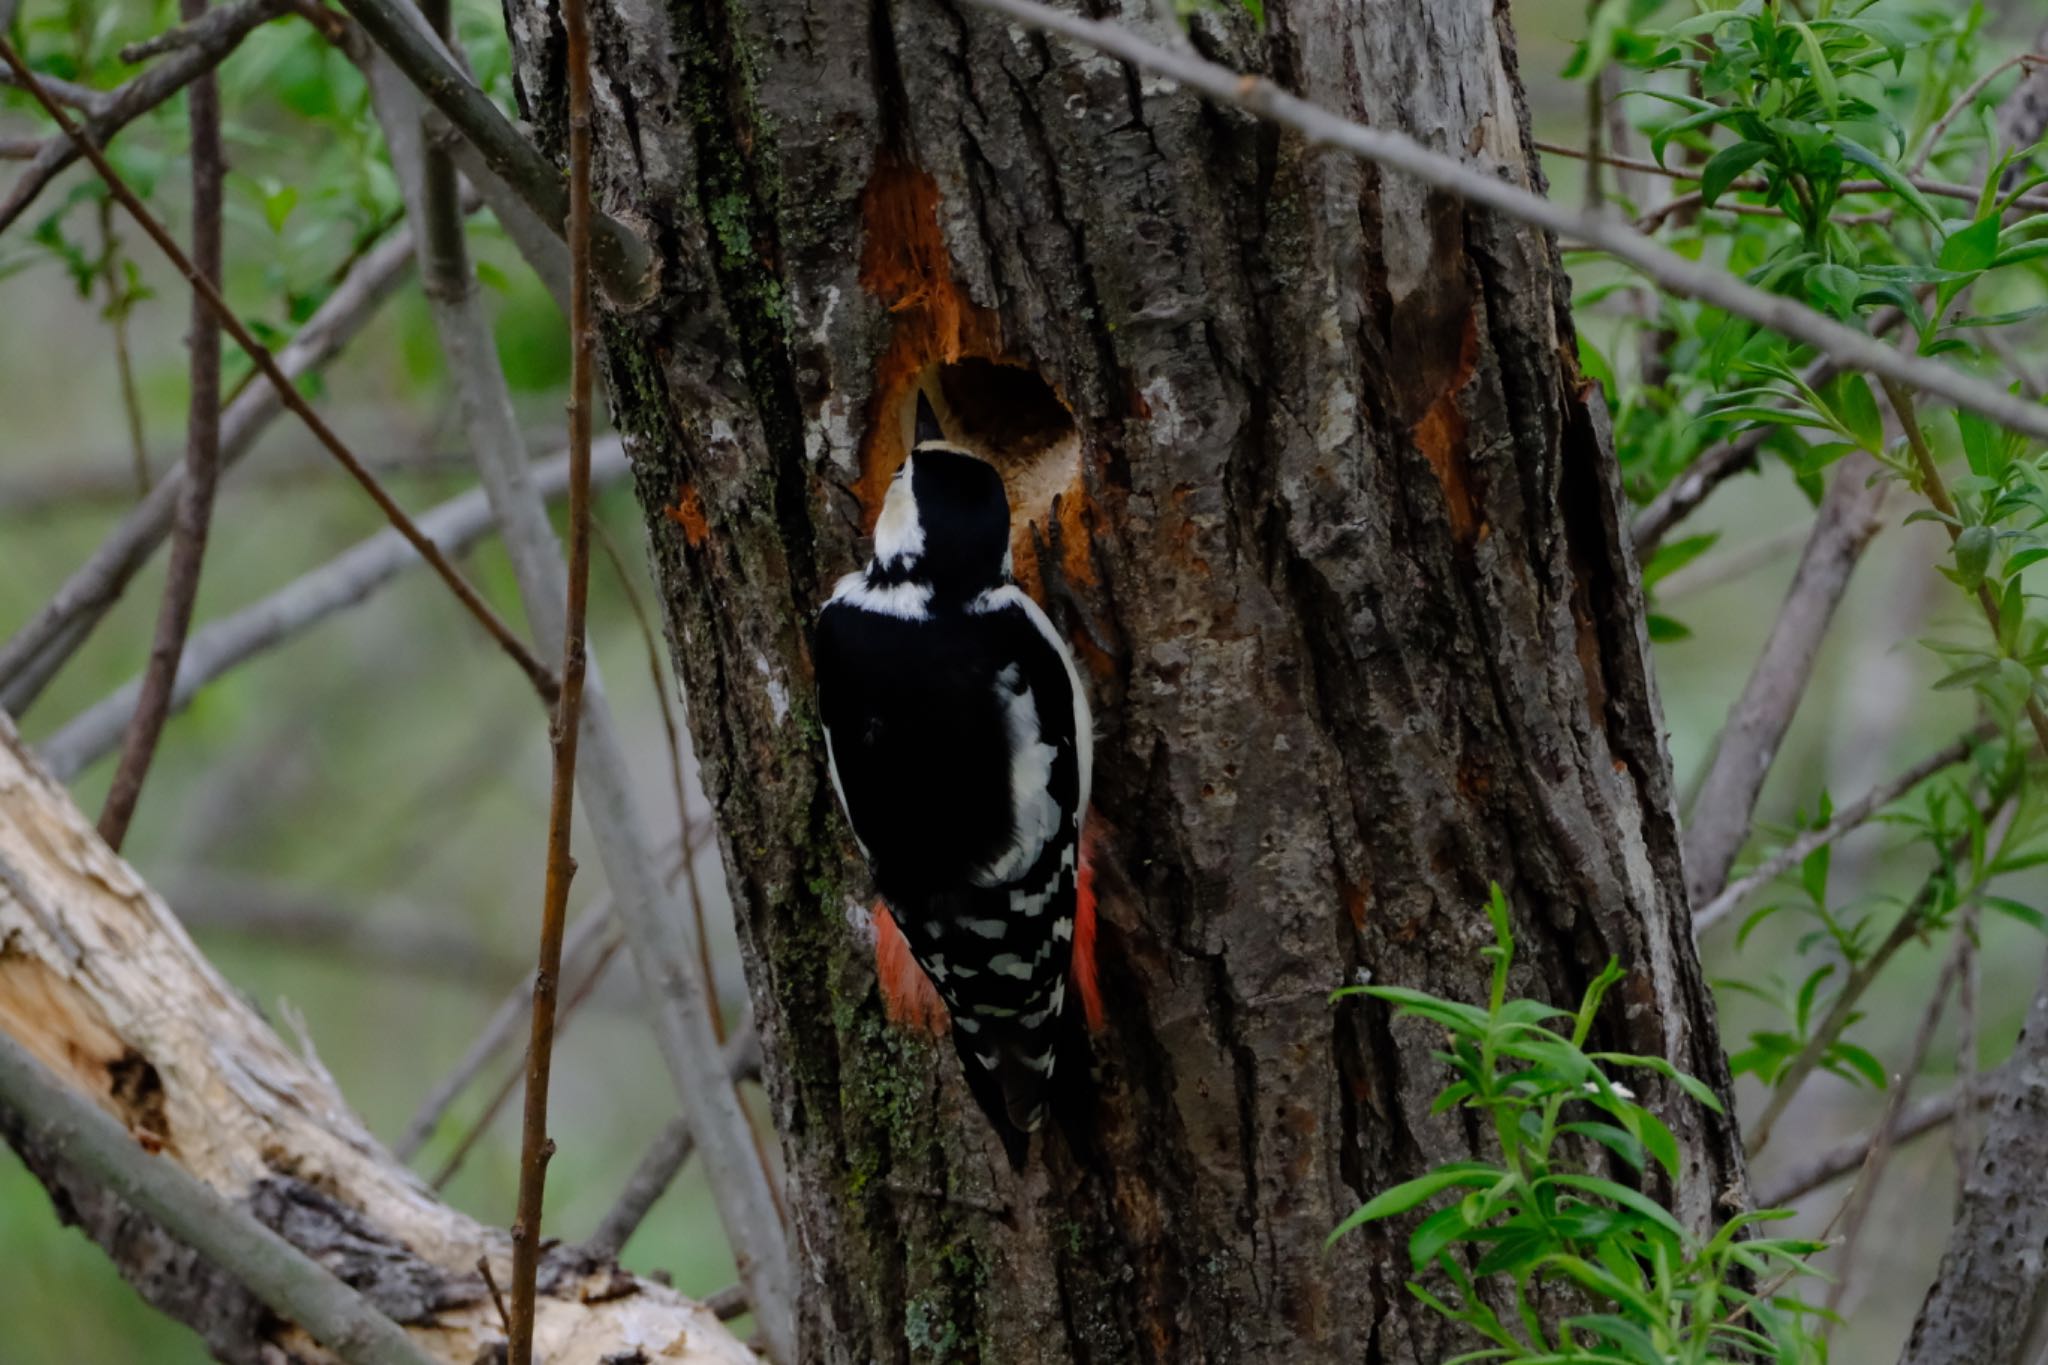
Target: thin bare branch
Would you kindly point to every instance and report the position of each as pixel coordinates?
(622, 259)
(1849, 818)
(664, 1159)
(41, 646)
(1857, 1210)
(287, 1280)
(85, 99)
(213, 38)
(1721, 815)
(1842, 1008)
(413, 940)
(202, 462)
(536, 672)
(678, 997)
(1837, 1160)
(347, 580)
(96, 481)
(535, 1146)
(1971, 93)
(676, 753)
(592, 939)
(607, 950)
(1725, 566)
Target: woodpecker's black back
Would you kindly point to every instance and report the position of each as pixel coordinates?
(960, 746)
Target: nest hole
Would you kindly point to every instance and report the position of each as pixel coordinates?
(1009, 415)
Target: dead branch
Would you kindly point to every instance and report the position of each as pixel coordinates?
(1833, 1162)
(1720, 820)
(55, 1117)
(101, 985)
(593, 938)
(622, 259)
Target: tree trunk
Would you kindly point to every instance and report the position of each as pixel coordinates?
(1987, 1305)
(1337, 535)
(100, 984)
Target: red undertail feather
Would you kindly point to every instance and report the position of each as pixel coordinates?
(1082, 971)
(908, 996)
(912, 1002)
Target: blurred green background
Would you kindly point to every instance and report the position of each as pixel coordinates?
(400, 787)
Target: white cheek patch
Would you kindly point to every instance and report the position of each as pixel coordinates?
(906, 601)
(899, 535)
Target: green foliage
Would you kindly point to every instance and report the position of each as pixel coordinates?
(1542, 1225)
(1824, 141)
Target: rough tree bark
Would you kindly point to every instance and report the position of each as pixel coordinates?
(100, 984)
(1337, 533)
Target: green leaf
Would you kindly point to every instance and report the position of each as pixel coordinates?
(1633, 1200)
(1835, 288)
(1858, 1060)
(2017, 910)
(1409, 1193)
(1622, 1144)
(1855, 406)
(1665, 1069)
(1664, 630)
(1819, 69)
(1973, 555)
(1673, 555)
(1632, 1341)
(1450, 1013)
(1726, 166)
(1972, 250)
(1892, 176)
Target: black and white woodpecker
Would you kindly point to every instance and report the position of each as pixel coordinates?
(960, 746)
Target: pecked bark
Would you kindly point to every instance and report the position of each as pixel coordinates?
(1338, 537)
(100, 984)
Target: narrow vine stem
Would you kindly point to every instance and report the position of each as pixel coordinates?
(535, 1146)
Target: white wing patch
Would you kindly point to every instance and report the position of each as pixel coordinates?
(1010, 595)
(1036, 813)
(908, 601)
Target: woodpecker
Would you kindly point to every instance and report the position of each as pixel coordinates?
(960, 747)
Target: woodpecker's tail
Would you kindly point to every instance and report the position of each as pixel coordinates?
(1023, 1065)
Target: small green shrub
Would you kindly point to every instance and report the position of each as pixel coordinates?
(1534, 1220)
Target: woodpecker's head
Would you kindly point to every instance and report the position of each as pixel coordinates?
(946, 519)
